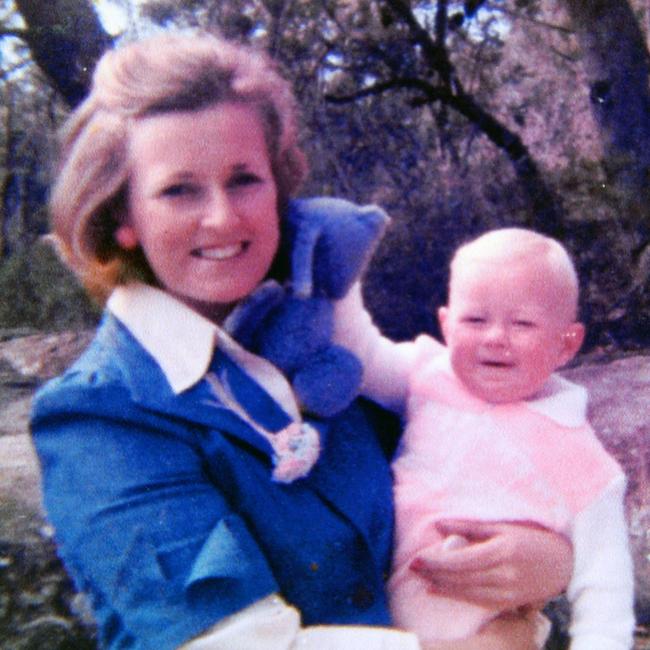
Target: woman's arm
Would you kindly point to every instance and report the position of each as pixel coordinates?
(504, 565)
(138, 525)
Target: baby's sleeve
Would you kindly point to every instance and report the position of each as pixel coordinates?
(387, 365)
(601, 591)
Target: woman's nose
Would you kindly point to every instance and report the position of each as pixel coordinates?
(219, 210)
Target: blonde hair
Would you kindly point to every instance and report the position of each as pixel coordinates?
(519, 244)
(163, 73)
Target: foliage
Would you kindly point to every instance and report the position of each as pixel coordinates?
(38, 602)
(615, 293)
(39, 292)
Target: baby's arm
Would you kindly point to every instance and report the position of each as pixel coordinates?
(386, 364)
(601, 591)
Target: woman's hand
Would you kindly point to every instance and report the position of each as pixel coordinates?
(503, 565)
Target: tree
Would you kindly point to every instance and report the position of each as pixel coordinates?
(434, 80)
(65, 38)
(617, 62)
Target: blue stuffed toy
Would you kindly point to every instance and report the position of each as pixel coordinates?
(331, 242)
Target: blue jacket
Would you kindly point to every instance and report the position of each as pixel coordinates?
(165, 513)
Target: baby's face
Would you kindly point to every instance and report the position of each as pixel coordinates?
(507, 328)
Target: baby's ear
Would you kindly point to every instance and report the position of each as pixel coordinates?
(572, 340)
(443, 314)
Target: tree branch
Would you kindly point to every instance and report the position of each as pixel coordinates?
(13, 31)
(432, 93)
(435, 53)
(536, 21)
(441, 23)
(547, 212)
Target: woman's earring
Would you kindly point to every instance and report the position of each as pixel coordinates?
(126, 238)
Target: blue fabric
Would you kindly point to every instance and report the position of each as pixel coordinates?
(165, 513)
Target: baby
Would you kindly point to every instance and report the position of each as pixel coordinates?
(494, 434)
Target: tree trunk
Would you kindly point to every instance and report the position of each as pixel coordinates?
(65, 38)
(617, 62)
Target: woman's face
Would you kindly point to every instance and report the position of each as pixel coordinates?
(202, 203)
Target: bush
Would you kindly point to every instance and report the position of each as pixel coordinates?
(39, 292)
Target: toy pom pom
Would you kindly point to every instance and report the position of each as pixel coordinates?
(294, 332)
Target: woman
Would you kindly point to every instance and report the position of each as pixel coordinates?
(173, 178)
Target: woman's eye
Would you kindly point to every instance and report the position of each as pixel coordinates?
(179, 189)
(523, 323)
(474, 320)
(243, 179)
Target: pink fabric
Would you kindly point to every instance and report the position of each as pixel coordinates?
(465, 458)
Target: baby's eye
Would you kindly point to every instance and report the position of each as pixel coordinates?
(474, 320)
(524, 323)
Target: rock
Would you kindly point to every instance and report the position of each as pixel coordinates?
(19, 479)
(36, 599)
(619, 399)
(43, 356)
(38, 604)
(16, 410)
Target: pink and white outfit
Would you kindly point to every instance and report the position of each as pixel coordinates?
(531, 461)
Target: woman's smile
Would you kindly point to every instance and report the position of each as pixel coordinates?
(221, 253)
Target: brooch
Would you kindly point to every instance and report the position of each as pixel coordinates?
(295, 448)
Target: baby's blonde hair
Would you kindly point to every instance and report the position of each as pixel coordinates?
(164, 73)
(518, 245)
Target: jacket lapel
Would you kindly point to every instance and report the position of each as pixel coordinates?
(150, 389)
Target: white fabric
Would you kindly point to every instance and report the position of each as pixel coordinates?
(271, 624)
(386, 364)
(601, 590)
(562, 401)
(178, 338)
(602, 587)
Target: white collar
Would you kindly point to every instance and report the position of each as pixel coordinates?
(182, 341)
(559, 399)
(178, 338)
(563, 401)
